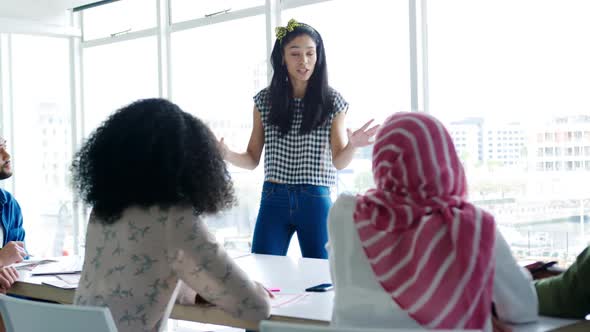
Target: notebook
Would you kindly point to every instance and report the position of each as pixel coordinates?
(31, 264)
(66, 266)
(59, 284)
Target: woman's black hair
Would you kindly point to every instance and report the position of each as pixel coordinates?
(317, 100)
(151, 153)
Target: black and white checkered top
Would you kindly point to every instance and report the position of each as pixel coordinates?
(295, 158)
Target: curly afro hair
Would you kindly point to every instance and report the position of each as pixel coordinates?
(151, 153)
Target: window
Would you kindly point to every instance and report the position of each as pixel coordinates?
(210, 81)
(117, 74)
(183, 10)
(526, 82)
(368, 61)
(549, 152)
(119, 17)
(520, 74)
(549, 137)
(41, 113)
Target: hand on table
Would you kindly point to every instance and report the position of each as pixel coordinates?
(8, 276)
(268, 292)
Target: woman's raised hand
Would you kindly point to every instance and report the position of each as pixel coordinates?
(362, 136)
(222, 148)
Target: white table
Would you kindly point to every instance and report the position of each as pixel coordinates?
(291, 275)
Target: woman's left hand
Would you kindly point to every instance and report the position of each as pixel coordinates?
(8, 276)
(362, 137)
(499, 326)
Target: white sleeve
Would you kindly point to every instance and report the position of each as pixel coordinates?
(338, 233)
(514, 296)
(204, 266)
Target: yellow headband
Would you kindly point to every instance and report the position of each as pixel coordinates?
(281, 32)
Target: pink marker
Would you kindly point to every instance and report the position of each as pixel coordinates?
(274, 289)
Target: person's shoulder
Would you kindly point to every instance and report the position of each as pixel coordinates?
(340, 221)
(338, 100)
(344, 205)
(346, 198)
(262, 94)
(6, 196)
(183, 209)
(262, 99)
(334, 94)
(182, 217)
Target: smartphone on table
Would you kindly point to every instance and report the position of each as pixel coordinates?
(320, 288)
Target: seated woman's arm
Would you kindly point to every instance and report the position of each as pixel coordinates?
(514, 293)
(205, 267)
(567, 295)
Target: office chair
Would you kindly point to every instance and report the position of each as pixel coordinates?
(26, 315)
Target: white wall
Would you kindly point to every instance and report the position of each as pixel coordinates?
(50, 17)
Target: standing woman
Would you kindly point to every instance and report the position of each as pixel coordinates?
(300, 119)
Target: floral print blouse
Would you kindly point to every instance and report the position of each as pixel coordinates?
(137, 265)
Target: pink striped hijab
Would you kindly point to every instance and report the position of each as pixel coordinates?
(429, 248)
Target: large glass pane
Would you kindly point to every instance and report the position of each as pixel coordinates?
(367, 49)
(42, 147)
(117, 74)
(510, 78)
(119, 17)
(216, 70)
(183, 10)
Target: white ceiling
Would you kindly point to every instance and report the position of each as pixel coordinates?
(47, 11)
(47, 17)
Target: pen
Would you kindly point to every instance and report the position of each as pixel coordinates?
(543, 267)
(274, 290)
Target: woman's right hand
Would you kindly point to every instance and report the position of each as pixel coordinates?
(269, 293)
(223, 148)
(12, 252)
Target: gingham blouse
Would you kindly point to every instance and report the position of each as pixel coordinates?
(295, 158)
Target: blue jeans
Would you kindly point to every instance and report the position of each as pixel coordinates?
(289, 208)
